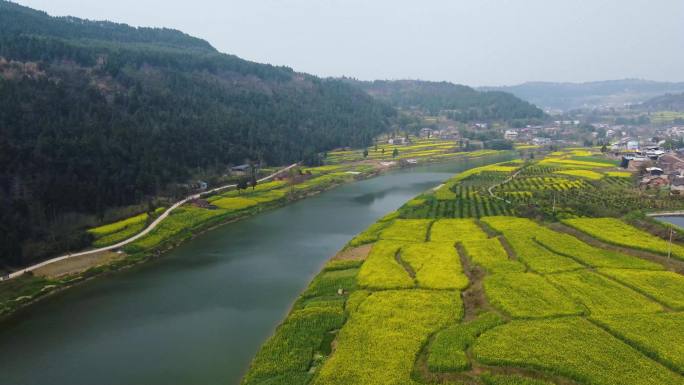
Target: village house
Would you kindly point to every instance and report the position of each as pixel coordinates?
(400, 140)
(541, 141)
(511, 135)
(677, 184)
(426, 132)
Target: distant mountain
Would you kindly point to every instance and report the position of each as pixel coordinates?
(462, 102)
(97, 115)
(667, 102)
(611, 93)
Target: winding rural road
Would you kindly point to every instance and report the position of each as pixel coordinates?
(510, 178)
(141, 234)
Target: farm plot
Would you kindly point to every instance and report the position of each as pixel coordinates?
(112, 233)
(519, 233)
(447, 351)
(372, 233)
(436, 265)
(539, 183)
(382, 270)
(601, 295)
(407, 230)
(536, 257)
(456, 201)
(329, 282)
(660, 336)
(528, 295)
(504, 223)
(490, 254)
(619, 174)
(570, 347)
(570, 246)
(380, 341)
(183, 219)
(664, 286)
(234, 203)
(456, 230)
(286, 356)
(615, 231)
(575, 163)
(586, 174)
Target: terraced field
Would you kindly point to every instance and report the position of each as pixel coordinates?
(486, 299)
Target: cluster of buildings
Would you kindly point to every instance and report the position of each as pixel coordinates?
(446, 133)
(660, 168)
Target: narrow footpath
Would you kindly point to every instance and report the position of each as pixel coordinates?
(141, 234)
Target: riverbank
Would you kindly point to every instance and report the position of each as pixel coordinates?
(199, 313)
(29, 289)
(456, 286)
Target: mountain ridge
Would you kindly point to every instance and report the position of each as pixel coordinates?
(607, 93)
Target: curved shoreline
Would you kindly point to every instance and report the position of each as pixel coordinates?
(130, 260)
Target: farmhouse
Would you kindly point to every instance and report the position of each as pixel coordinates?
(677, 185)
(511, 135)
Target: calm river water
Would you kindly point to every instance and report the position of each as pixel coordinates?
(198, 315)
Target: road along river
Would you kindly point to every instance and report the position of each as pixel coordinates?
(199, 314)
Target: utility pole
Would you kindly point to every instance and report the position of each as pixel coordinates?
(669, 249)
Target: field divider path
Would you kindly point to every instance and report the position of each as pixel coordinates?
(141, 234)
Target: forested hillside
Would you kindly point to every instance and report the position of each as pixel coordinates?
(667, 102)
(95, 115)
(460, 102)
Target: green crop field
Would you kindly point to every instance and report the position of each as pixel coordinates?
(382, 270)
(381, 339)
(660, 336)
(490, 254)
(408, 230)
(435, 265)
(528, 295)
(615, 231)
(573, 348)
(477, 283)
(572, 247)
(665, 287)
(456, 230)
(531, 253)
(447, 352)
(601, 295)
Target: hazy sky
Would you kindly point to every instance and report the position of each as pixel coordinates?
(475, 42)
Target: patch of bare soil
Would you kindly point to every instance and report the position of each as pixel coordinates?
(354, 253)
(77, 264)
(474, 299)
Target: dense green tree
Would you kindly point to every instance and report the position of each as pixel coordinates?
(458, 102)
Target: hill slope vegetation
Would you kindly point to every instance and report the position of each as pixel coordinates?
(459, 102)
(95, 115)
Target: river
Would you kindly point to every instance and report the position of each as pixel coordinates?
(198, 314)
(674, 220)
